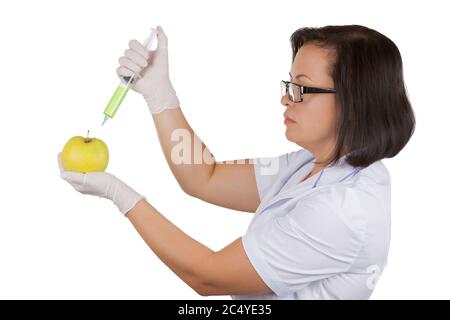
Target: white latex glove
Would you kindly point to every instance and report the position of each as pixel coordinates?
(104, 185)
(152, 73)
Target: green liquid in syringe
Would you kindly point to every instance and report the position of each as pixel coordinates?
(115, 101)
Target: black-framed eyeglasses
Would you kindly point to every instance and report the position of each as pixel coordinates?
(297, 91)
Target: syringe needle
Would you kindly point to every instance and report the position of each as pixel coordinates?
(104, 120)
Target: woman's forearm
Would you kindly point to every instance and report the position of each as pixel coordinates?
(185, 256)
(188, 157)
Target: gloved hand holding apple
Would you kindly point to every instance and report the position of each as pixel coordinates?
(82, 163)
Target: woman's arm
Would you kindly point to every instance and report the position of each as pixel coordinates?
(209, 273)
(225, 272)
(229, 185)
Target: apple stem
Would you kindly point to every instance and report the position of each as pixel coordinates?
(87, 138)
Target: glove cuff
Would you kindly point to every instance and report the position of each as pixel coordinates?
(132, 204)
(163, 101)
(124, 197)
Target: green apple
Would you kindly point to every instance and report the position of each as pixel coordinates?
(84, 154)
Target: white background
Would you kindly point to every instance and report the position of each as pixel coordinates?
(57, 64)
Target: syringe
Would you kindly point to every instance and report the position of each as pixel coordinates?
(124, 86)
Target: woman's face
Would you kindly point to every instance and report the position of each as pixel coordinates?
(315, 118)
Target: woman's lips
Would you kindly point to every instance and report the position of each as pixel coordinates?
(288, 120)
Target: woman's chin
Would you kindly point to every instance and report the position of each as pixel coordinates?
(288, 135)
(292, 136)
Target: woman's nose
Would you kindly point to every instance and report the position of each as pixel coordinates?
(285, 100)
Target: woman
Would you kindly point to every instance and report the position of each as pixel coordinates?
(321, 227)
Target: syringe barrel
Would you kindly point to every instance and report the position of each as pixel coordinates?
(116, 100)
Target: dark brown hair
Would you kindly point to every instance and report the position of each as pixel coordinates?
(374, 116)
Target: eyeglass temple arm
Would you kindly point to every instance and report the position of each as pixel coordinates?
(318, 90)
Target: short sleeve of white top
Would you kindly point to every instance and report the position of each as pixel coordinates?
(324, 238)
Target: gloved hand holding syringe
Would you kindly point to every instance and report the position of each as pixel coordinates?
(146, 72)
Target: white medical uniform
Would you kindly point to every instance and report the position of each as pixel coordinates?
(324, 238)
